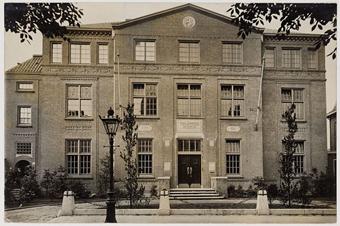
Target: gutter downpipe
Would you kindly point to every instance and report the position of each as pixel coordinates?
(259, 96)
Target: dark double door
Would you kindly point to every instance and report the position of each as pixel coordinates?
(189, 169)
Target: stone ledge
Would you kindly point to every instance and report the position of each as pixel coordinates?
(207, 212)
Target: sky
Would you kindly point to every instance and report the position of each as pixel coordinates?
(15, 51)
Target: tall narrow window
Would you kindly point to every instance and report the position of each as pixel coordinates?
(189, 100)
(145, 99)
(79, 101)
(312, 59)
(24, 116)
(269, 56)
(291, 58)
(24, 148)
(78, 157)
(233, 157)
(232, 100)
(290, 96)
(232, 53)
(144, 148)
(298, 157)
(145, 51)
(56, 53)
(189, 52)
(80, 54)
(103, 53)
(190, 145)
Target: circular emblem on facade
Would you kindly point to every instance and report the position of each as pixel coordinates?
(189, 22)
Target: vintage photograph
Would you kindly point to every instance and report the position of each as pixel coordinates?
(170, 112)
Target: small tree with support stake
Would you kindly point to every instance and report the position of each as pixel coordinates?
(135, 192)
(287, 171)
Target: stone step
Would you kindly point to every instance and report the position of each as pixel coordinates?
(194, 194)
(196, 197)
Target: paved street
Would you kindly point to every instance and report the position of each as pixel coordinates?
(200, 219)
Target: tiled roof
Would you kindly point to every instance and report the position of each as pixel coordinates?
(32, 65)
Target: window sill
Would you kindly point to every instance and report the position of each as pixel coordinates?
(298, 121)
(79, 119)
(23, 155)
(80, 176)
(141, 177)
(190, 117)
(189, 63)
(233, 118)
(232, 64)
(147, 117)
(234, 177)
(25, 91)
(24, 126)
(145, 62)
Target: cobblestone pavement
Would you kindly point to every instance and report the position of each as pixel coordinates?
(32, 215)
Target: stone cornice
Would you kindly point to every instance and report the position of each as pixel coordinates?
(176, 69)
(285, 74)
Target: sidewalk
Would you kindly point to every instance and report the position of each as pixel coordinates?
(199, 219)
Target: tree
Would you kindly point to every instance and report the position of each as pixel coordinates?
(286, 158)
(290, 15)
(48, 18)
(135, 192)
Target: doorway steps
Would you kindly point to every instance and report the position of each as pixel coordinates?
(194, 194)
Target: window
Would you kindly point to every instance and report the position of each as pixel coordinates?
(189, 145)
(145, 99)
(233, 157)
(145, 51)
(312, 59)
(79, 101)
(291, 58)
(78, 157)
(103, 53)
(80, 54)
(298, 157)
(56, 53)
(189, 52)
(232, 53)
(232, 100)
(24, 116)
(189, 100)
(25, 86)
(144, 147)
(290, 96)
(24, 148)
(269, 56)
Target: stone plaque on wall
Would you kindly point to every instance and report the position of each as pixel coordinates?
(233, 129)
(212, 167)
(144, 128)
(167, 166)
(189, 126)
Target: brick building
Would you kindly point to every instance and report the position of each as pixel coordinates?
(209, 115)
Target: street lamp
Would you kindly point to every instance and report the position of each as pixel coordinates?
(111, 124)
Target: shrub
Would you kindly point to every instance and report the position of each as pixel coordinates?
(251, 192)
(103, 175)
(54, 182)
(79, 189)
(231, 191)
(259, 183)
(30, 188)
(153, 191)
(302, 193)
(272, 192)
(324, 185)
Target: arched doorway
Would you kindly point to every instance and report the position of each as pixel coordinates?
(22, 166)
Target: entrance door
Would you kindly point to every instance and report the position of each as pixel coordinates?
(189, 169)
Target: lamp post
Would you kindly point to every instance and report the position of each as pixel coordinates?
(111, 124)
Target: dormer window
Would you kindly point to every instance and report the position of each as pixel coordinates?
(80, 54)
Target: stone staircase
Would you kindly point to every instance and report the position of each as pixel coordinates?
(194, 194)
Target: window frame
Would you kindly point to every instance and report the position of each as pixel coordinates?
(79, 99)
(226, 153)
(23, 154)
(315, 52)
(144, 98)
(98, 53)
(145, 153)
(292, 101)
(137, 40)
(189, 140)
(78, 154)
(224, 61)
(19, 124)
(297, 174)
(189, 48)
(189, 98)
(52, 52)
(232, 101)
(274, 56)
(18, 89)
(80, 53)
(291, 58)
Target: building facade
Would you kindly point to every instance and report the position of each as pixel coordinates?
(208, 109)
(331, 116)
